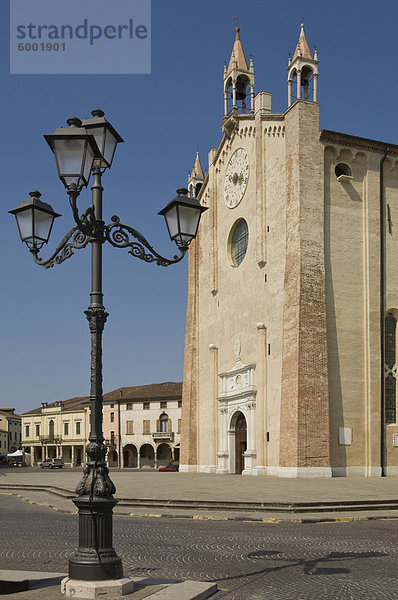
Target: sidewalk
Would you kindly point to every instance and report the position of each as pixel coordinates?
(28, 585)
(143, 493)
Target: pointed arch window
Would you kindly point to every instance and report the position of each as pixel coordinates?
(51, 428)
(390, 386)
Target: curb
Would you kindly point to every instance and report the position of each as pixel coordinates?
(204, 517)
(225, 506)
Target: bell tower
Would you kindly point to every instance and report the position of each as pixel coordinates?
(238, 81)
(195, 178)
(303, 69)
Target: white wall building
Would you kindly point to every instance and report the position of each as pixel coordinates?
(56, 430)
(150, 420)
(10, 430)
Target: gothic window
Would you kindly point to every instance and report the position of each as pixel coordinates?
(390, 374)
(51, 428)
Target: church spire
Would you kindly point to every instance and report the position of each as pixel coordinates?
(302, 48)
(238, 59)
(237, 78)
(197, 170)
(304, 68)
(195, 178)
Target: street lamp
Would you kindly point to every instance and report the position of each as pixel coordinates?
(104, 134)
(182, 215)
(74, 150)
(35, 220)
(84, 147)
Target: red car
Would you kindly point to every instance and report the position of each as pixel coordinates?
(171, 468)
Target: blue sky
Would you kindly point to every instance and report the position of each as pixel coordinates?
(164, 117)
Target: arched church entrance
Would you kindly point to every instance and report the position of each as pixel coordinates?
(240, 442)
(130, 457)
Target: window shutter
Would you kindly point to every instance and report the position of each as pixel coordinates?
(158, 429)
(169, 426)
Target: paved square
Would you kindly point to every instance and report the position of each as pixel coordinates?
(248, 561)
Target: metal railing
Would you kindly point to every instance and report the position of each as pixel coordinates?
(163, 435)
(50, 437)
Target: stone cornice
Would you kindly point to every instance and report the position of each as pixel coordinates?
(240, 395)
(272, 117)
(344, 139)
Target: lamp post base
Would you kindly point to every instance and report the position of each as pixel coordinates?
(73, 588)
(95, 558)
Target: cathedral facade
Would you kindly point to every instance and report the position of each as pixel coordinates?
(290, 353)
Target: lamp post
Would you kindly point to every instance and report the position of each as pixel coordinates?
(83, 148)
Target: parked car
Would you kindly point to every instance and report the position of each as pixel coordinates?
(52, 463)
(171, 468)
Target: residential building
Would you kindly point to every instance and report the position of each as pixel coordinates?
(3, 440)
(56, 430)
(141, 427)
(150, 420)
(291, 358)
(10, 430)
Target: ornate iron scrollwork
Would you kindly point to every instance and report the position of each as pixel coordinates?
(119, 236)
(64, 249)
(116, 233)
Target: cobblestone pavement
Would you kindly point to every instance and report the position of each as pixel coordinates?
(248, 561)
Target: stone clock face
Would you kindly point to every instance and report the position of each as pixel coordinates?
(236, 177)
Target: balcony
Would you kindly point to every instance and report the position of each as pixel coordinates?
(163, 436)
(50, 438)
(111, 442)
